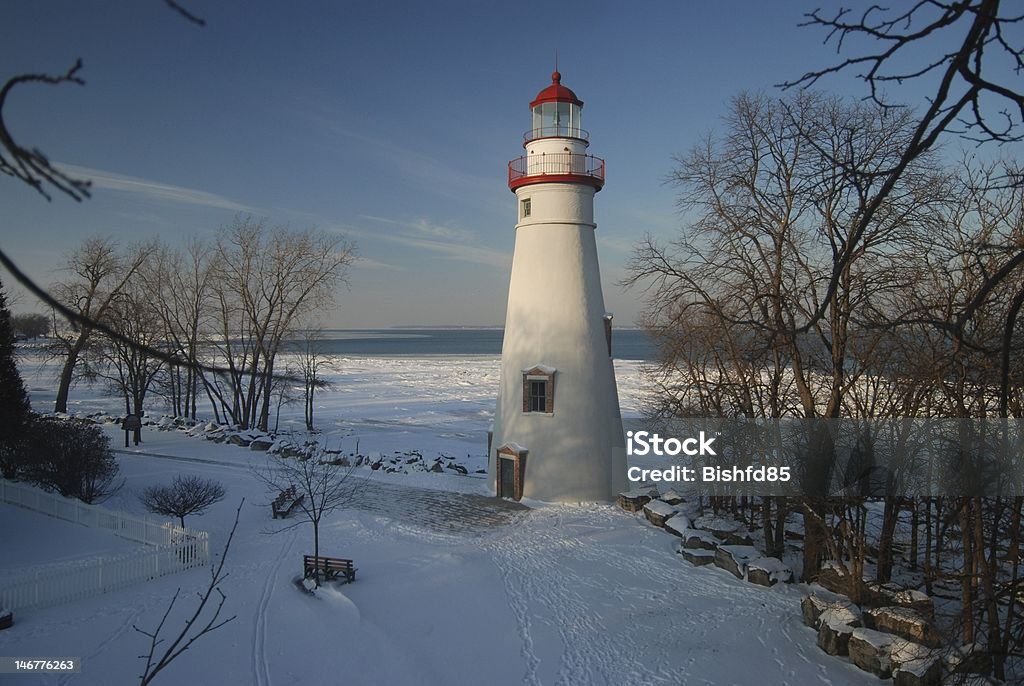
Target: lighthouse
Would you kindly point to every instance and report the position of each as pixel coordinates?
(557, 429)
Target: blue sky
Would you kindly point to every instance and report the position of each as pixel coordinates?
(389, 122)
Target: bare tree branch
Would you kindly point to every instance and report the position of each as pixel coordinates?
(183, 641)
(31, 165)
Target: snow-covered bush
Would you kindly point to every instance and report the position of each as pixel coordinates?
(73, 458)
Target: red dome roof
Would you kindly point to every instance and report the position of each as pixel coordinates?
(556, 92)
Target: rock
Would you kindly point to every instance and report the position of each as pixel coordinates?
(834, 638)
(657, 512)
(678, 525)
(739, 538)
(239, 440)
(633, 501)
(768, 571)
(841, 612)
(698, 557)
(927, 674)
(969, 659)
(734, 558)
(902, 621)
(871, 651)
(262, 444)
(813, 606)
(914, 664)
(437, 468)
(694, 538)
(6, 618)
(835, 627)
(732, 532)
(672, 498)
(885, 595)
(832, 577)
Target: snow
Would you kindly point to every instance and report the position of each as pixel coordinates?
(30, 537)
(837, 616)
(678, 523)
(910, 656)
(876, 639)
(640, 493)
(776, 569)
(661, 509)
(540, 369)
(671, 495)
(716, 524)
(770, 565)
(452, 588)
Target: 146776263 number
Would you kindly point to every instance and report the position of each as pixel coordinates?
(9, 665)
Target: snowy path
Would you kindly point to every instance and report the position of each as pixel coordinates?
(594, 608)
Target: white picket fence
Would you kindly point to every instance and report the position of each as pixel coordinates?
(169, 549)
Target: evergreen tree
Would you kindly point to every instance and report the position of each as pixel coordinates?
(15, 411)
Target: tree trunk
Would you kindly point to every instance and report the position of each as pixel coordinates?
(815, 538)
(316, 546)
(967, 580)
(885, 540)
(915, 523)
(67, 373)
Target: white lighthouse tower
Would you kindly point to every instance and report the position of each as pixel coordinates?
(557, 429)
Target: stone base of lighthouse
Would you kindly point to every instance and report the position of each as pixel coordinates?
(558, 429)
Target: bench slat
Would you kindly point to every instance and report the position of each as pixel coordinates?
(330, 566)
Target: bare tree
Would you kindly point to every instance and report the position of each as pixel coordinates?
(775, 200)
(99, 274)
(195, 626)
(311, 363)
(265, 281)
(180, 283)
(125, 362)
(322, 485)
(976, 91)
(187, 495)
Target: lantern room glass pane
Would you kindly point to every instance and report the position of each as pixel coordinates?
(556, 119)
(561, 122)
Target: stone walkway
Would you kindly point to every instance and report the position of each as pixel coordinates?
(441, 510)
(444, 511)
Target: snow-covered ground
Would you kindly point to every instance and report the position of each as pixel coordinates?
(449, 589)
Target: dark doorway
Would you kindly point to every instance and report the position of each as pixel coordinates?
(507, 478)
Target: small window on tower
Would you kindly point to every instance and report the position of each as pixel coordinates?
(539, 390)
(525, 206)
(538, 396)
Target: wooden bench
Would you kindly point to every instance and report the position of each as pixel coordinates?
(285, 502)
(332, 567)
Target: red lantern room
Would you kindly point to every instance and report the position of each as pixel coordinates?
(556, 112)
(556, 144)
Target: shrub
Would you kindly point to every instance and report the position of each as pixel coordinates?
(73, 458)
(185, 496)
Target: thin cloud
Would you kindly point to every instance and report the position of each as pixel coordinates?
(427, 228)
(453, 243)
(155, 190)
(369, 263)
